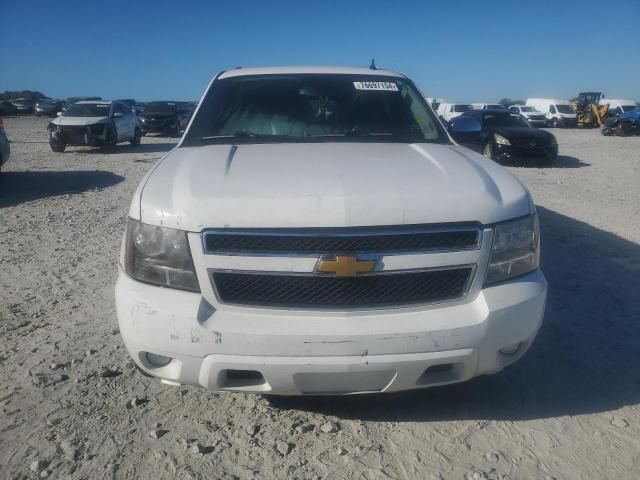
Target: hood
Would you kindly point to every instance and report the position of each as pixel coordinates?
(326, 185)
(78, 121)
(523, 133)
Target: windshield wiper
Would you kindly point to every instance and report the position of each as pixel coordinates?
(241, 134)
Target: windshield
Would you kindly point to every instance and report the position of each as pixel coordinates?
(495, 107)
(626, 108)
(88, 110)
(161, 107)
(504, 120)
(528, 109)
(565, 109)
(313, 108)
(461, 108)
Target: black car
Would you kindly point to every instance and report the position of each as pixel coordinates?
(165, 117)
(503, 136)
(48, 108)
(24, 106)
(7, 108)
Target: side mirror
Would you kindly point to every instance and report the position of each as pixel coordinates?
(465, 125)
(58, 114)
(118, 115)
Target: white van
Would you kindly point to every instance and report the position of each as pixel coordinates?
(449, 111)
(618, 106)
(435, 102)
(487, 106)
(559, 113)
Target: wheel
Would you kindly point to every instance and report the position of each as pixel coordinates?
(606, 131)
(136, 137)
(57, 147)
(487, 150)
(109, 139)
(555, 123)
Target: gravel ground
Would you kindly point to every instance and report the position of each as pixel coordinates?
(73, 406)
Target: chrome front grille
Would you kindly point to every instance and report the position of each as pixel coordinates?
(316, 291)
(407, 239)
(320, 288)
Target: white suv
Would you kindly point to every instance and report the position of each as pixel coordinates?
(316, 231)
(449, 111)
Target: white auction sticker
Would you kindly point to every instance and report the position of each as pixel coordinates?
(386, 86)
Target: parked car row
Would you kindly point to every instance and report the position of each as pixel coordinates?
(99, 123)
(539, 112)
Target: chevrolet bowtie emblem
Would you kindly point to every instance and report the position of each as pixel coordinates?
(345, 265)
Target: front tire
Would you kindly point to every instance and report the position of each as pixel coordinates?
(109, 140)
(56, 147)
(487, 150)
(555, 123)
(136, 137)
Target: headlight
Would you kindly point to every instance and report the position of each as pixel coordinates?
(160, 256)
(500, 140)
(515, 250)
(142, 119)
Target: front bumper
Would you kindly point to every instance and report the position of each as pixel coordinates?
(158, 127)
(514, 152)
(78, 135)
(542, 122)
(295, 353)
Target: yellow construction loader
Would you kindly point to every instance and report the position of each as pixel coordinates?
(589, 112)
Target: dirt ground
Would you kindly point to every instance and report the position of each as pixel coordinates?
(73, 405)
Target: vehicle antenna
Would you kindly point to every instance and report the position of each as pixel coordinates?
(373, 64)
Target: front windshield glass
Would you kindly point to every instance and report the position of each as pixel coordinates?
(161, 107)
(627, 108)
(565, 109)
(462, 108)
(527, 109)
(495, 107)
(504, 120)
(313, 108)
(88, 110)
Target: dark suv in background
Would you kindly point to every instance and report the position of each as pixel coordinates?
(24, 106)
(7, 108)
(170, 118)
(48, 107)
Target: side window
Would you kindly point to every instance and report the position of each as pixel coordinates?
(552, 109)
(124, 109)
(513, 109)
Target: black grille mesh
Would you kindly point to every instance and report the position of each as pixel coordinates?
(319, 244)
(327, 292)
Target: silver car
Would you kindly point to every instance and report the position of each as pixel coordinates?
(95, 124)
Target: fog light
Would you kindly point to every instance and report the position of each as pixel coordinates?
(157, 360)
(511, 349)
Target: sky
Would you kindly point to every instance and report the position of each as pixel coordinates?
(457, 50)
